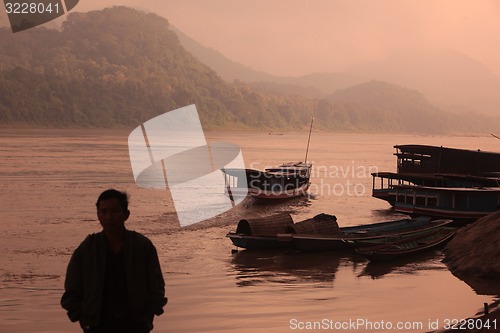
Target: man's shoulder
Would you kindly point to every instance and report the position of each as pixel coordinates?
(137, 237)
(91, 239)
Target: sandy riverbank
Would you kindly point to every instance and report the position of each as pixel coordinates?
(473, 255)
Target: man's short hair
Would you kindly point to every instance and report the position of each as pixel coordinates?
(122, 198)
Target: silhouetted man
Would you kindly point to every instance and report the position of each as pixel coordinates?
(114, 281)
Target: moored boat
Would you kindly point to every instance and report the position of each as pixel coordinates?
(434, 166)
(405, 247)
(270, 232)
(443, 160)
(320, 233)
(287, 180)
(261, 233)
(376, 233)
(461, 204)
(385, 183)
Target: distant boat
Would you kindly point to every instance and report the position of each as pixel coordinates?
(287, 180)
(405, 247)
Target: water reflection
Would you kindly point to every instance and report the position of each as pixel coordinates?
(406, 266)
(257, 267)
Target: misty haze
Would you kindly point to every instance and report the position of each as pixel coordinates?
(121, 76)
(335, 85)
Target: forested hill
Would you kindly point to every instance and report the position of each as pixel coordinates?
(120, 66)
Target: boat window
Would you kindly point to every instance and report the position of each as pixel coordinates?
(421, 200)
(432, 201)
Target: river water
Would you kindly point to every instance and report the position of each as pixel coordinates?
(50, 179)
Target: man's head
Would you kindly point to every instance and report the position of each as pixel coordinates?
(121, 197)
(112, 209)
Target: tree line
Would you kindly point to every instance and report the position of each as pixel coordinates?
(120, 66)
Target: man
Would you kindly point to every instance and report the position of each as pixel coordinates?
(114, 281)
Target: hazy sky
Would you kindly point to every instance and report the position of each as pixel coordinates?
(294, 37)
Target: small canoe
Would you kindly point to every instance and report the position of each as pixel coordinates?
(409, 246)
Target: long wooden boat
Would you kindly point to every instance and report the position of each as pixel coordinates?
(375, 233)
(443, 160)
(461, 204)
(251, 242)
(320, 233)
(408, 246)
(287, 180)
(261, 233)
(264, 232)
(385, 184)
(435, 166)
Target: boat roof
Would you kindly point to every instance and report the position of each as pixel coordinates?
(448, 189)
(467, 177)
(434, 159)
(290, 167)
(236, 172)
(423, 149)
(410, 176)
(405, 175)
(285, 170)
(296, 164)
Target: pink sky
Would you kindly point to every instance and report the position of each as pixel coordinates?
(295, 37)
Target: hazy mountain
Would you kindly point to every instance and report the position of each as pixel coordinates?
(376, 104)
(232, 71)
(392, 105)
(448, 78)
(229, 70)
(120, 66)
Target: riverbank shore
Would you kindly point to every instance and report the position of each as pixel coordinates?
(473, 255)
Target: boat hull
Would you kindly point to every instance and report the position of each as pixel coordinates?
(376, 233)
(406, 247)
(344, 239)
(464, 205)
(282, 194)
(288, 180)
(259, 242)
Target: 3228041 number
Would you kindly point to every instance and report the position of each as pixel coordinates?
(456, 324)
(31, 8)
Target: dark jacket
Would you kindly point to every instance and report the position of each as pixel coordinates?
(86, 273)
